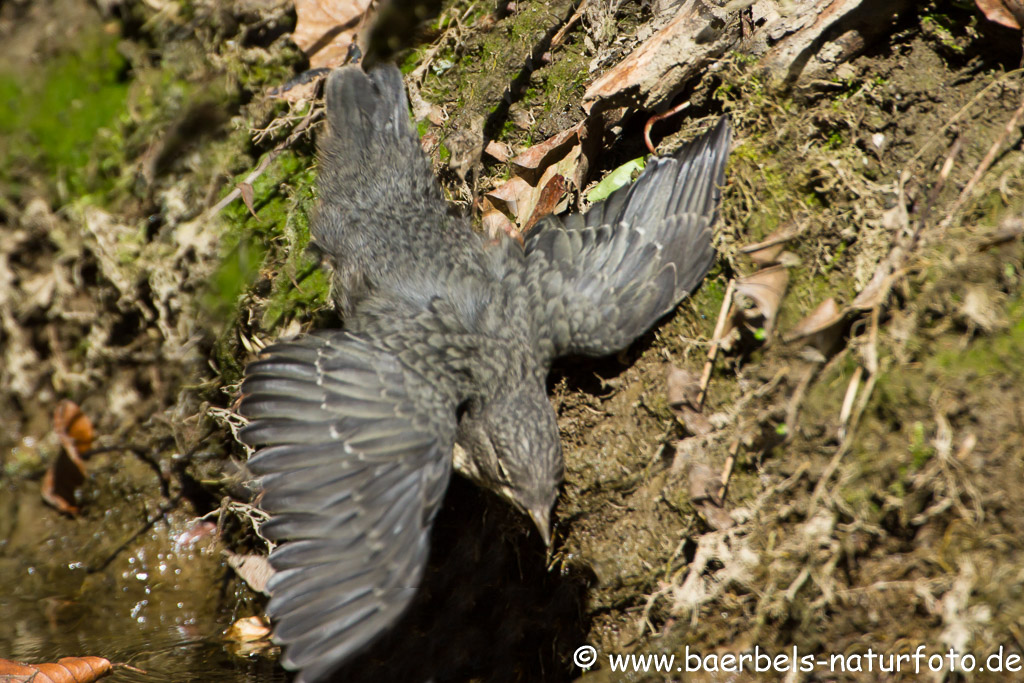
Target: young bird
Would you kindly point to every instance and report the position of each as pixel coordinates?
(445, 340)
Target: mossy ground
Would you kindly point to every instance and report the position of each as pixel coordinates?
(121, 292)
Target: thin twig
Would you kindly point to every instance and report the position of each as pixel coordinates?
(985, 164)
(709, 364)
(314, 115)
(560, 36)
(730, 463)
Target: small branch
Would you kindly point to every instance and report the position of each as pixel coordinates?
(709, 363)
(985, 164)
(314, 115)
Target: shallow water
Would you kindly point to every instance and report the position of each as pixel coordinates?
(152, 593)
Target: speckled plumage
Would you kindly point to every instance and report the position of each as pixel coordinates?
(444, 339)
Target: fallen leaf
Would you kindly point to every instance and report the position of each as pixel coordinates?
(496, 224)
(64, 670)
(498, 150)
(620, 177)
(245, 189)
(1009, 13)
(566, 154)
(683, 391)
(248, 630)
(682, 387)
(324, 29)
(821, 328)
(255, 570)
(248, 637)
(74, 429)
(550, 197)
(705, 487)
(765, 290)
(768, 250)
(67, 471)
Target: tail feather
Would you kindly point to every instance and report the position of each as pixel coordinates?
(379, 200)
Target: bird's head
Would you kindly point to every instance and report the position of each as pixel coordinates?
(511, 446)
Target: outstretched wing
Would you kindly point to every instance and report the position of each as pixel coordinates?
(356, 460)
(603, 278)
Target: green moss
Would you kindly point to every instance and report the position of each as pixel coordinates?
(63, 116)
(273, 242)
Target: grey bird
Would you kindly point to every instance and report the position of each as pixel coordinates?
(446, 338)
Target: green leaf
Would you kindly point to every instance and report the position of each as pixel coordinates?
(620, 177)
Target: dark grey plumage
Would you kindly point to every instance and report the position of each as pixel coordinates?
(445, 339)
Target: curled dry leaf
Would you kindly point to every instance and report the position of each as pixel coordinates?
(683, 393)
(64, 670)
(497, 150)
(255, 570)
(566, 154)
(821, 328)
(764, 291)
(1009, 13)
(768, 250)
(67, 471)
(248, 637)
(324, 29)
(705, 486)
(247, 196)
(496, 224)
(248, 630)
(74, 429)
(550, 197)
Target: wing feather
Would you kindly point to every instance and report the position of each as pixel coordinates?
(604, 278)
(352, 480)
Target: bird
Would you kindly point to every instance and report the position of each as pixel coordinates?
(446, 339)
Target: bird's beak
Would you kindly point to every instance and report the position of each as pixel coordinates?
(542, 518)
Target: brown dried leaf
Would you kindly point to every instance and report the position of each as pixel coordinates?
(496, 224)
(324, 29)
(59, 484)
(255, 570)
(249, 637)
(498, 150)
(1009, 13)
(683, 391)
(245, 189)
(705, 487)
(74, 429)
(821, 328)
(535, 160)
(64, 670)
(550, 197)
(566, 154)
(704, 483)
(682, 387)
(67, 471)
(765, 289)
(248, 630)
(768, 250)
